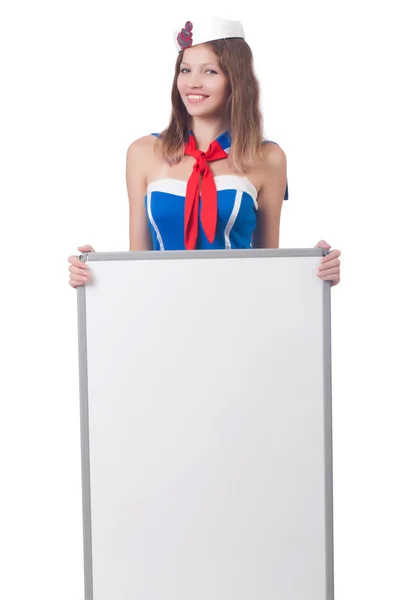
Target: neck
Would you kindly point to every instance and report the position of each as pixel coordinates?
(206, 131)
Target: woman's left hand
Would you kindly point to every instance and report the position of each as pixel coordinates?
(329, 268)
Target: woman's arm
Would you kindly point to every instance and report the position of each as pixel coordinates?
(138, 158)
(270, 198)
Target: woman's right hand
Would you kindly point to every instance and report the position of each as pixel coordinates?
(79, 271)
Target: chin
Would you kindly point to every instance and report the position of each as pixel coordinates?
(201, 111)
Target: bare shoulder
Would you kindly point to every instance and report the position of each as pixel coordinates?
(271, 173)
(143, 144)
(271, 170)
(274, 156)
(140, 158)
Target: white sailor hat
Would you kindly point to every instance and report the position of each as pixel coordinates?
(199, 32)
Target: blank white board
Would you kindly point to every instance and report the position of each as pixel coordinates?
(206, 426)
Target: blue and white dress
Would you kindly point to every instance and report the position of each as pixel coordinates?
(237, 206)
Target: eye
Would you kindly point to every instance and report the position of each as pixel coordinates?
(185, 69)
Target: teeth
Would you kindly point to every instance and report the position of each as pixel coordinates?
(196, 97)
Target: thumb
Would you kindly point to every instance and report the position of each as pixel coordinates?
(323, 244)
(86, 248)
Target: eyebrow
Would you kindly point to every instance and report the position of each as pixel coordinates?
(202, 65)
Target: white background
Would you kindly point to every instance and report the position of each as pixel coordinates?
(79, 82)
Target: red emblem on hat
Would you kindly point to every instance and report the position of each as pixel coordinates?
(185, 36)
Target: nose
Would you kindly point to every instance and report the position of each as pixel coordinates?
(194, 80)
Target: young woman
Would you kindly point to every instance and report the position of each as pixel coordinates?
(210, 180)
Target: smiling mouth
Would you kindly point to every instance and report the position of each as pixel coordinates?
(196, 97)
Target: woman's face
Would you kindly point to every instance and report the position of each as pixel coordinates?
(202, 85)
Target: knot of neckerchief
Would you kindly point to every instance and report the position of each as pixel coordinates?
(201, 180)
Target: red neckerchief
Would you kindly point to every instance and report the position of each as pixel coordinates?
(209, 208)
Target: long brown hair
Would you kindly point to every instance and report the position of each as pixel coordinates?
(243, 110)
